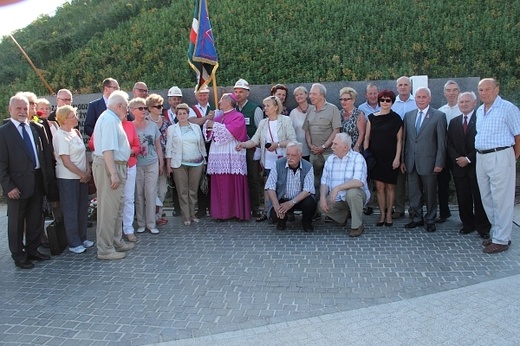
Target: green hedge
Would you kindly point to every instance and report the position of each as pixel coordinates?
(267, 42)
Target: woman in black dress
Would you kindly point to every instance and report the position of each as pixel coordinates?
(384, 135)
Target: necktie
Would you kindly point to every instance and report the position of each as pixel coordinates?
(28, 144)
(465, 124)
(418, 123)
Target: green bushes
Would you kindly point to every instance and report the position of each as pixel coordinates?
(266, 42)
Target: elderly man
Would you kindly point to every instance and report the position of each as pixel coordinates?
(423, 158)
(404, 103)
(321, 124)
(96, 107)
(498, 145)
(461, 150)
(63, 98)
(140, 89)
(111, 154)
(371, 105)
(175, 99)
(26, 169)
(291, 186)
(253, 115)
(343, 189)
(451, 109)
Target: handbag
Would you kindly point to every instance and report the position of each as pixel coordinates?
(204, 183)
(57, 237)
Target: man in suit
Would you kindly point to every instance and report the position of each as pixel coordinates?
(63, 98)
(423, 158)
(96, 107)
(461, 151)
(26, 169)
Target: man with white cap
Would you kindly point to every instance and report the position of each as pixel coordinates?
(203, 110)
(174, 99)
(253, 114)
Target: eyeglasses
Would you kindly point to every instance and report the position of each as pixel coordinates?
(385, 100)
(158, 106)
(142, 90)
(141, 108)
(345, 99)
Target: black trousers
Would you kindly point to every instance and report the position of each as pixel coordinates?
(307, 206)
(471, 211)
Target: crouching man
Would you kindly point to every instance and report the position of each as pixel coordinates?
(291, 186)
(343, 189)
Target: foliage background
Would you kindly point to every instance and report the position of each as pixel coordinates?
(266, 42)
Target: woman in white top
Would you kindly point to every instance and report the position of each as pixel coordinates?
(73, 174)
(272, 135)
(298, 115)
(185, 154)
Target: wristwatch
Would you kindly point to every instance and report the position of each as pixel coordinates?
(323, 146)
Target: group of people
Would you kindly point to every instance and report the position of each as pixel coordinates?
(263, 162)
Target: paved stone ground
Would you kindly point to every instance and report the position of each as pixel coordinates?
(213, 277)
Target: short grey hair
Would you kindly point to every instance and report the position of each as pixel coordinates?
(451, 82)
(19, 96)
(470, 93)
(298, 146)
(345, 139)
(117, 97)
(426, 89)
(300, 88)
(321, 88)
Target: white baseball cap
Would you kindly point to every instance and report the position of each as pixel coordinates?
(242, 84)
(174, 91)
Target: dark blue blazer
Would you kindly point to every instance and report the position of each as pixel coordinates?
(94, 110)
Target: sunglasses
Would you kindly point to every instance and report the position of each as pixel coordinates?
(345, 99)
(157, 106)
(141, 108)
(385, 100)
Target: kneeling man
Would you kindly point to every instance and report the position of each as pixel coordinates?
(291, 186)
(343, 188)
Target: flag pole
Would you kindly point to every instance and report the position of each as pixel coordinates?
(215, 90)
(32, 65)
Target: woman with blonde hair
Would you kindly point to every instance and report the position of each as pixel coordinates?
(353, 120)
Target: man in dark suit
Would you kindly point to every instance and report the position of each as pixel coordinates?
(25, 173)
(423, 158)
(461, 150)
(96, 107)
(63, 97)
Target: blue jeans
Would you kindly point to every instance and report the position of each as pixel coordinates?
(74, 206)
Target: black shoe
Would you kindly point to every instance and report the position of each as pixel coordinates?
(430, 227)
(307, 227)
(380, 223)
(466, 231)
(24, 264)
(316, 216)
(442, 219)
(413, 224)
(281, 225)
(368, 210)
(38, 256)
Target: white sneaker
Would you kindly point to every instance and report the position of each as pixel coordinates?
(141, 229)
(77, 249)
(154, 231)
(88, 243)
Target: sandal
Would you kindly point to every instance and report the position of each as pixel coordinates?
(262, 218)
(187, 223)
(161, 222)
(194, 219)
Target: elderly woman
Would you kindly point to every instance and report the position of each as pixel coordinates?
(353, 120)
(185, 152)
(298, 115)
(281, 91)
(384, 140)
(72, 173)
(149, 165)
(227, 167)
(272, 135)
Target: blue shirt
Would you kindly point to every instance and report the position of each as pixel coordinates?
(367, 109)
(402, 107)
(498, 126)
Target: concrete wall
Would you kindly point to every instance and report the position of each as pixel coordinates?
(259, 92)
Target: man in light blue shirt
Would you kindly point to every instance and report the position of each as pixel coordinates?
(498, 146)
(370, 105)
